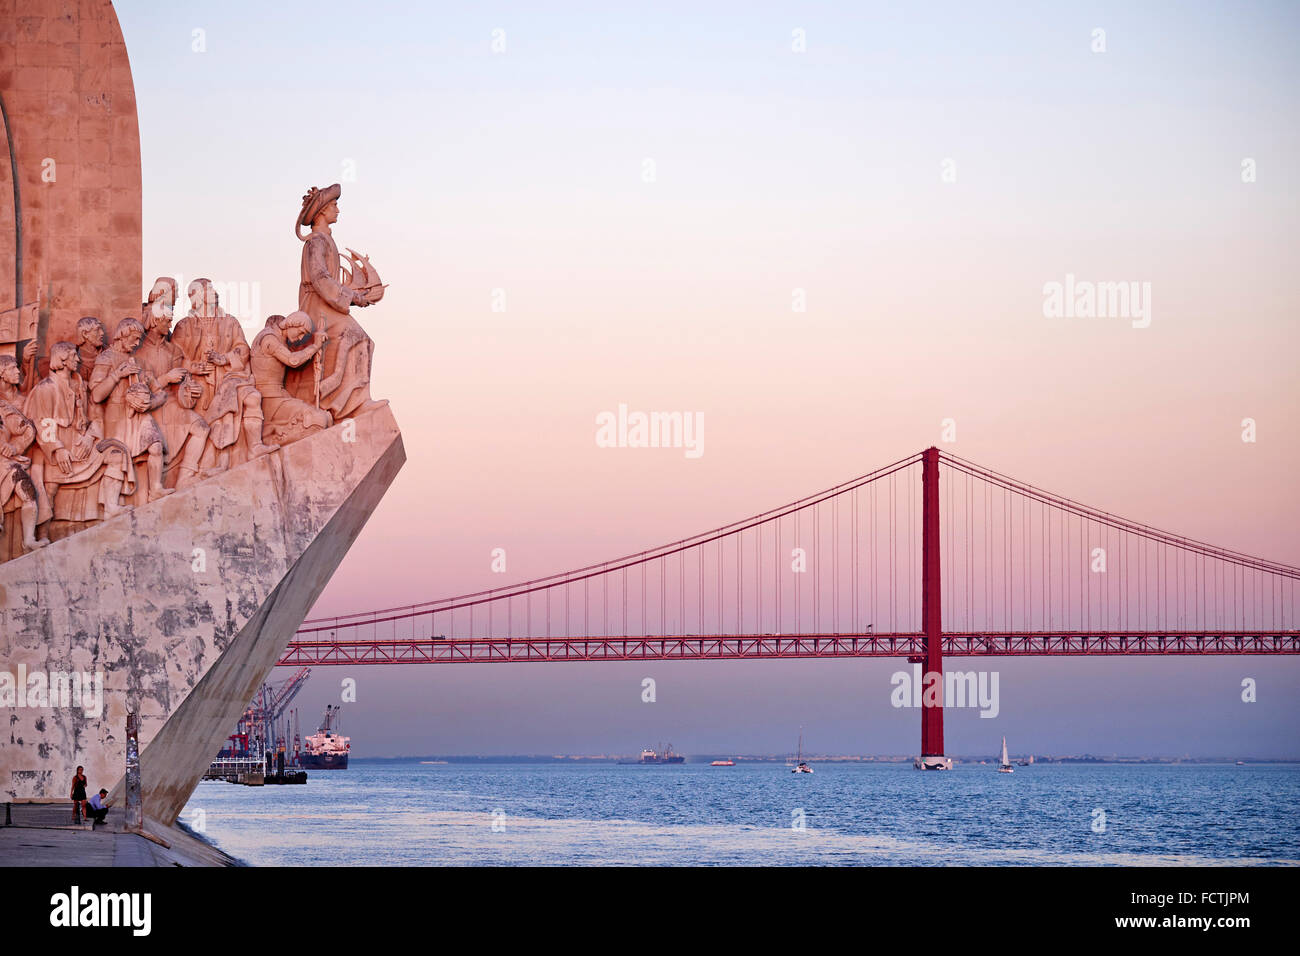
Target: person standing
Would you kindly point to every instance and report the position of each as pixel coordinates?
(78, 794)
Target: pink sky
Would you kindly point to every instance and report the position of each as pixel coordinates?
(775, 171)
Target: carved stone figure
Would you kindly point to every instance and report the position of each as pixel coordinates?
(165, 290)
(16, 435)
(185, 433)
(183, 405)
(287, 418)
(71, 453)
(128, 394)
(340, 382)
(157, 352)
(91, 339)
(217, 356)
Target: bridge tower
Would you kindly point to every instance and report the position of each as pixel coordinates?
(932, 755)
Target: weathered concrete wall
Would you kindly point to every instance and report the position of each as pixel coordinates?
(185, 605)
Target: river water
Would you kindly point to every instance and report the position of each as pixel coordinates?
(760, 814)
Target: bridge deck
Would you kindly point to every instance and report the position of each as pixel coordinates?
(772, 647)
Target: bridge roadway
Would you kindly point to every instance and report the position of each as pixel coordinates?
(783, 646)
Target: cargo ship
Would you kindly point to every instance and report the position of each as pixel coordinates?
(325, 749)
(649, 756)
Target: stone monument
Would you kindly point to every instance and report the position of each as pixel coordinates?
(172, 501)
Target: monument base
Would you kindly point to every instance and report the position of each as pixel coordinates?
(178, 610)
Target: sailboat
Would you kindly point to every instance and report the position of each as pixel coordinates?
(802, 765)
(1005, 765)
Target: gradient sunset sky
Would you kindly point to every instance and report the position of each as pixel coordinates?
(466, 171)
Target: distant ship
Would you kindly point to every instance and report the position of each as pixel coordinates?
(649, 756)
(723, 763)
(326, 750)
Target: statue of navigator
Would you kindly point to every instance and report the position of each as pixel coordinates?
(339, 380)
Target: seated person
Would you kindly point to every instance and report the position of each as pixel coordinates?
(98, 809)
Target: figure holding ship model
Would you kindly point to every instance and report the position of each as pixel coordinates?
(340, 378)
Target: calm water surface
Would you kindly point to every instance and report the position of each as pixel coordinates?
(852, 814)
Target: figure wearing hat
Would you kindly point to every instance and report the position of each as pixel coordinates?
(340, 380)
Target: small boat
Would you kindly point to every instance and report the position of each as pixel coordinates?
(802, 765)
(1005, 765)
(723, 763)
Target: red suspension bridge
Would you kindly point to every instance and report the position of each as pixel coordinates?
(927, 556)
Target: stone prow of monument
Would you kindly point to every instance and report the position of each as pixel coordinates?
(184, 604)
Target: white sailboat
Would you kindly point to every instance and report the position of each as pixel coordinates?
(801, 766)
(1005, 765)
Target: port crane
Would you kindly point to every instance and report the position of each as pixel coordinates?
(256, 727)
